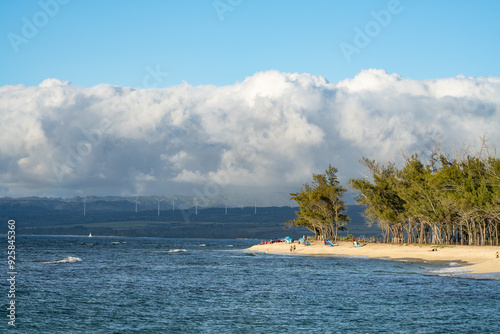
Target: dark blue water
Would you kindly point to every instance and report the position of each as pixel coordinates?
(127, 285)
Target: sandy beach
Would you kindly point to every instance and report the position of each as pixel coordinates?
(478, 259)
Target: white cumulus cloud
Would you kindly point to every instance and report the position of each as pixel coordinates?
(269, 132)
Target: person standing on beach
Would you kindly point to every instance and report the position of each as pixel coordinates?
(293, 249)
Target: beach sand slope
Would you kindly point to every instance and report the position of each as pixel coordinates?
(477, 259)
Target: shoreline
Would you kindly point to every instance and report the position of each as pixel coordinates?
(476, 259)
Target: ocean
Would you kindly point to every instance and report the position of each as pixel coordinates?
(154, 285)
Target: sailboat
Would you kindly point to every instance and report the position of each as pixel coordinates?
(90, 235)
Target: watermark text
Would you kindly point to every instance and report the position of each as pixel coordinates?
(31, 26)
(11, 260)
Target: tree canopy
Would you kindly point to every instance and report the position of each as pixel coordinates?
(445, 200)
(322, 209)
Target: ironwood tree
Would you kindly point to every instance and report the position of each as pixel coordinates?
(322, 209)
(447, 199)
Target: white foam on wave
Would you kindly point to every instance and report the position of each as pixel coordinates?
(175, 250)
(460, 270)
(456, 264)
(453, 270)
(69, 259)
(202, 245)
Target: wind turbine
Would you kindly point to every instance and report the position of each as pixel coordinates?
(255, 211)
(159, 200)
(136, 202)
(173, 202)
(84, 206)
(195, 206)
(225, 198)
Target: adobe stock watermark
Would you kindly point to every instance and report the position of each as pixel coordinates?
(31, 26)
(363, 36)
(152, 79)
(477, 105)
(232, 169)
(481, 96)
(75, 154)
(12, 272)
(92, 138)
(223, 6)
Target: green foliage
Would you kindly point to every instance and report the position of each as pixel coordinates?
(446, 200)
(322, 209)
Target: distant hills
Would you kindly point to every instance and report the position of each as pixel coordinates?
(177, 217)
(118, 203)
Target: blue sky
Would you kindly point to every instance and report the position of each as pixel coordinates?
(114, 42)
(243, 104)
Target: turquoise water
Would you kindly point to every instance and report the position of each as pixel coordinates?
(128, 285)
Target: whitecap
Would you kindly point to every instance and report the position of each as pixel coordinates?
(69, 259)
(202, 245)
(176, 250)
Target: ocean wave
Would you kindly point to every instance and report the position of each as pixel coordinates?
(175, 250)
(69, 259)
(463, 272)
(452, 271)
(456, 264)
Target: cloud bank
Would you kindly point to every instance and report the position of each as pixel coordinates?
(269, 132)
